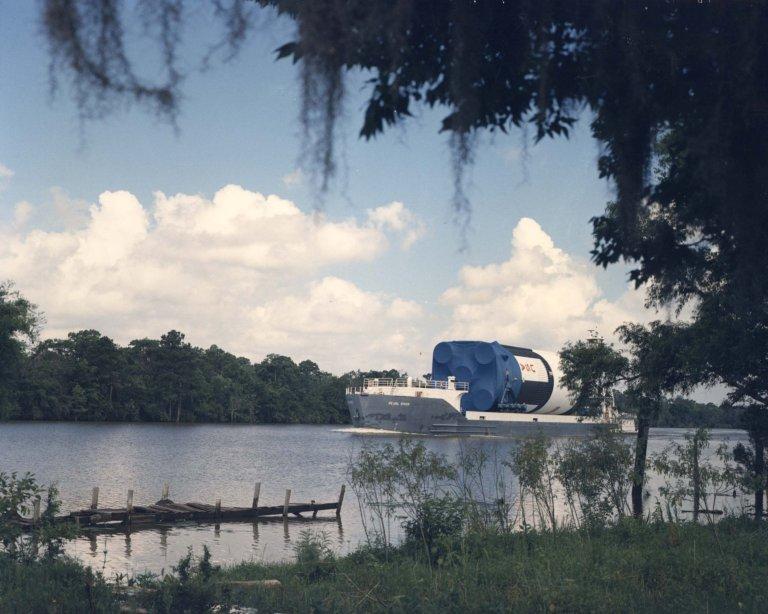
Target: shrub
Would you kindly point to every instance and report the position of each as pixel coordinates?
(314, 555)
(689, 476)
(436, 518)
(536, 470)
(59, 585)
(192, 588)
(18, 496)
(389, 481)
(596, 475)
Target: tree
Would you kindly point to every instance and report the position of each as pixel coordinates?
(683, 85)
(640, 69)
(177, 366)
(87, 376)
(729, 344)
(653, 367)
(19, 322)
(592, 368)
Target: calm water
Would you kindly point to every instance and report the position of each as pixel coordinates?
(208, 462)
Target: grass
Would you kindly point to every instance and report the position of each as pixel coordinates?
(60, 586)
(633, 567)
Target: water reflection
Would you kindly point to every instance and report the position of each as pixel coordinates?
(163, 534)
(159, 548)
(311, 460)
(93, 544)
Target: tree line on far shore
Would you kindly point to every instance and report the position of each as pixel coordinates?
(89, 377)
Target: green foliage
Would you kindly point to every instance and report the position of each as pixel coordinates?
(591, 369)
(482, 484)
(34, 577)
(679, 412)
(690, 476)
(192, 587)
(18, 495)
(88, 377)
(751, 466)
(18, 328)
(355, 378)
(436, 519)
(312, 547)
(58, 585)
(596, 475)
(654, 364)
(314, 556)
(397, 482)
(536, 470)
(580, 483)
(632, 567)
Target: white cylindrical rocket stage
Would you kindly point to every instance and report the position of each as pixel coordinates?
(503, 377)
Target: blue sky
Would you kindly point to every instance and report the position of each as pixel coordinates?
(238, 125)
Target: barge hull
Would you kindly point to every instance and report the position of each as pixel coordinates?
(431, 416)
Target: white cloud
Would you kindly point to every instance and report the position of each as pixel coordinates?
(343, 324)
(236, 270)
(540, 296)
(6, 174)
(22, 211)
(243, 228)
(255, 274)
(395, 216)
(294, 178)
(401, 309)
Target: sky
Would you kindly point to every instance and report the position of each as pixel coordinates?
(133, 228)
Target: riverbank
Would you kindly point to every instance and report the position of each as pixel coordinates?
(659, 567)
(630, 567)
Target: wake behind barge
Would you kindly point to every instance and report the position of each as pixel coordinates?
(477, 388)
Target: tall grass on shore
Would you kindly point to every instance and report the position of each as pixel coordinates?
(629, 567)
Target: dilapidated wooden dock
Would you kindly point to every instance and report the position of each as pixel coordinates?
(166, 511)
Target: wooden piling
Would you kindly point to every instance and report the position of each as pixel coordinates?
(166, 511)
(287, 502)
(341, 500)
(95, 498)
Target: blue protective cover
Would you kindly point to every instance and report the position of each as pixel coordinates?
(489, 368)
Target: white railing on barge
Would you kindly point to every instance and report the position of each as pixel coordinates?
(407, 382)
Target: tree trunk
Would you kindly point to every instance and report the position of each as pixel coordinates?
(760, 475)
(641, 451)
(696, 479)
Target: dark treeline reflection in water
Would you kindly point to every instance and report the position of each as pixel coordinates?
(208, 462)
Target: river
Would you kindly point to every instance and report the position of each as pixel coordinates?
(208, 462)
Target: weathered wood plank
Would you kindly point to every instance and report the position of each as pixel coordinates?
(287, 501)
(166, 511)
(256, 493)
(341, 500)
